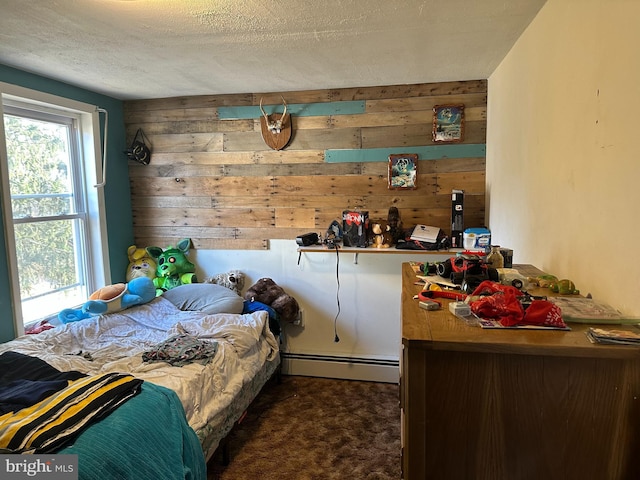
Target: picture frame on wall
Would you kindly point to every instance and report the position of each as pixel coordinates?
(403, 171)
(448, 123)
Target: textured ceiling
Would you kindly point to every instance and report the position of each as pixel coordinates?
(140, 49)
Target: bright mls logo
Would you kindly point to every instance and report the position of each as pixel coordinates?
(50, 467)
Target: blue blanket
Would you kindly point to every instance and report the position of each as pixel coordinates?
(146, 438)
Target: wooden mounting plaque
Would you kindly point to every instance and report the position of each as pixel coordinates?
(277, 141)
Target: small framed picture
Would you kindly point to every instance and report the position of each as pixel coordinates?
(403, 171)
(448, 123)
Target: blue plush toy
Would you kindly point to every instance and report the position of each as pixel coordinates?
(112, 298)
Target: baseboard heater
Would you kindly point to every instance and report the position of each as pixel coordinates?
(337, 366)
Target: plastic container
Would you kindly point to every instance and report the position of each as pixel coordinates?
(476, 239)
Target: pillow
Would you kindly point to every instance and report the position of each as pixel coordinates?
(205, 297)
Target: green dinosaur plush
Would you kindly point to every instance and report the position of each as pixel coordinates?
(173, 267)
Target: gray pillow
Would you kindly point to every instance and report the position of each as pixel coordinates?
(205, 297)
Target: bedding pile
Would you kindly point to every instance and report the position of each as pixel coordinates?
(45, 414)
(115, 343)
(123, 447)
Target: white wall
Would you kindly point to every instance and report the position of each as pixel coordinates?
(369, 321)
(563, 168)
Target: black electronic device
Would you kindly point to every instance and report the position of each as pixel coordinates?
(307, 239)
(457, 218)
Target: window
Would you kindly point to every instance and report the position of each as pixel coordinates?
(51, 206)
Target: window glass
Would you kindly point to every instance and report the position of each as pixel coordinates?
(50, 275)
(40, 167)
(48, 211)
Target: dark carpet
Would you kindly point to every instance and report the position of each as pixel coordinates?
(308, 428)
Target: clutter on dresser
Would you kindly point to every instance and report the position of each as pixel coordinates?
(577, 309)
(495, 258)
(613, 337)
(490, 304)
(504, 306)
(467, 270)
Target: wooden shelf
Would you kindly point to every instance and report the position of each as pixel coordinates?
(381, 251)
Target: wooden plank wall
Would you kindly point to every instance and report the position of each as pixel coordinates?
(214, 180)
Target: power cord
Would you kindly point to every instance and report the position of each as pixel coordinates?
(335, 320)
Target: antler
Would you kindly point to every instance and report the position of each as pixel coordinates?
(275, 126)
(266, 117)
(285, 108)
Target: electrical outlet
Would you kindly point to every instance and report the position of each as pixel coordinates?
(299, 321)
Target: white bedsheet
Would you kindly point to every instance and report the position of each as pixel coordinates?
(115, 342)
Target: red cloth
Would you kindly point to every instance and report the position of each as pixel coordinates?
(39, 327)
(503, 304)
(504, 307)
(543, 312)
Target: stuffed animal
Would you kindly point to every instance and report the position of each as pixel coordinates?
(112, 298)
(381, 234)
(173, 268)
(140, 264)
(268, 292)
(233, 280)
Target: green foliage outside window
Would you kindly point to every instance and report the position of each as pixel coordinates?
(40, 180)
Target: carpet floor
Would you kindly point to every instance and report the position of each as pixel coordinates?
(308, 428)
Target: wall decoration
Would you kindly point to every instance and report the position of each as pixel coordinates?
(276, 128)
(403, 171)
(448, 123)
(139, 151)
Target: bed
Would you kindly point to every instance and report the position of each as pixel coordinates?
(189, 398)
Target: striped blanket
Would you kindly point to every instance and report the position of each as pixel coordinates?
(52, 422)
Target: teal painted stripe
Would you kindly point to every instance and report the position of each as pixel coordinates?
(299, 109)
(428, 152)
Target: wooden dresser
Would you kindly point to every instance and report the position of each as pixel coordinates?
(512, 404)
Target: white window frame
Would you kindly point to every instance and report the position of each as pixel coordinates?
(98, 272)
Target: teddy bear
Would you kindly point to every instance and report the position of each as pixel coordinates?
(233, 280)
(266, 291)
(141, 264)
(173, 266)
(381, 234)
(112, 298)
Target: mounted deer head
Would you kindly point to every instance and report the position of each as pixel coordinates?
(276, 128)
